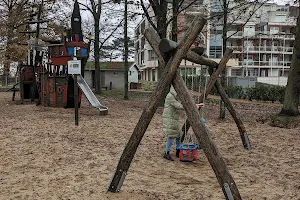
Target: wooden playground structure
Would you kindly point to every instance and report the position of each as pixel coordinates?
(46, 77)
(177, 52)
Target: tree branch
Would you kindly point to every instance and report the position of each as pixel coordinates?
(253, 12)
(112, 32)
(86, 7)
(147, 16)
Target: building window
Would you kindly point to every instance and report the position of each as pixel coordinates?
(215, 52)
(143, 43)
(137, 32)
(153, 74)
(255, 72)
(142, 58)
(151, 55)
(143, 27)
(274, 30)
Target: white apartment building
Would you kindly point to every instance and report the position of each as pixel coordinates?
(263, 46)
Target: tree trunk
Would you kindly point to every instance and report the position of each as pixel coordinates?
(174, 21)
(223, 73)
(291, 97)
(125, 53)
(97, 57)
(10, 31)
(161, 18)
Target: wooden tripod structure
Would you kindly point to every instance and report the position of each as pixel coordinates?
(168, 46)
(201, 131)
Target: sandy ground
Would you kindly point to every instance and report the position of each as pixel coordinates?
(43, 155)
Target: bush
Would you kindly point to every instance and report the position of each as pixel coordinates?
(260, 92)
(148, 85)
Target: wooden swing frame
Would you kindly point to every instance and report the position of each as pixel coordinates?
(170, 76)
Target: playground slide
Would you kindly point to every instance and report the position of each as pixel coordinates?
(89, 94)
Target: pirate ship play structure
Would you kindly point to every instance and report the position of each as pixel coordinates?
(47, 79)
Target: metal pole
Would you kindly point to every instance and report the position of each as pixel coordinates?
(76, 99)
(247, 54)
(271, 63)
(259, 54)
(283, 52)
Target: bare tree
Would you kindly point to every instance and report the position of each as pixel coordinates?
(95, 8)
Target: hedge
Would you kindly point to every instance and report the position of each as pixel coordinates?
(260, 92)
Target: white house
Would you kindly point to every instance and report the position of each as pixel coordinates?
(133, 76)
(112, 74)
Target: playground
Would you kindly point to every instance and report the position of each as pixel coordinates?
(45, 156)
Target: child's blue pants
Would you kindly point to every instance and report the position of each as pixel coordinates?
(170, 142)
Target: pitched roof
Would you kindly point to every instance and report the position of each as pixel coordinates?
(107, 65)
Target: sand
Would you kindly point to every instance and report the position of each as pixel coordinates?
(43, 155)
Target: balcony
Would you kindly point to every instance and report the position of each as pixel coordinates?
(262, 49)
(263, 64)
(262, 35)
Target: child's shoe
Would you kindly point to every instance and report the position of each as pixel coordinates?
(168, 156)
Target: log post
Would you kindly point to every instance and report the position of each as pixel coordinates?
(235, 116)
(213, 78)
(166, 45)
(202, 133)
(158, 95)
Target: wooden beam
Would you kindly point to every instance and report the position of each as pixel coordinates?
(229, 106)
(151, 35)
(203, 135)
(166, 45)
(235, 116)
(213, 78)
(157, 96)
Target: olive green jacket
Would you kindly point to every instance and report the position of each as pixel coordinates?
(171, 114)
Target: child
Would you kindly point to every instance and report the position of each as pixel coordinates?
(171, 127)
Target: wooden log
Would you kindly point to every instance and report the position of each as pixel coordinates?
(235, 116)
(157, 96)
(151, 35)
(229, 106)
(211, 151)
(213, 78)
(169, 46)
(204, 137)
(166, 45)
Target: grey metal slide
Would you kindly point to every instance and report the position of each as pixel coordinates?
(89, 94)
